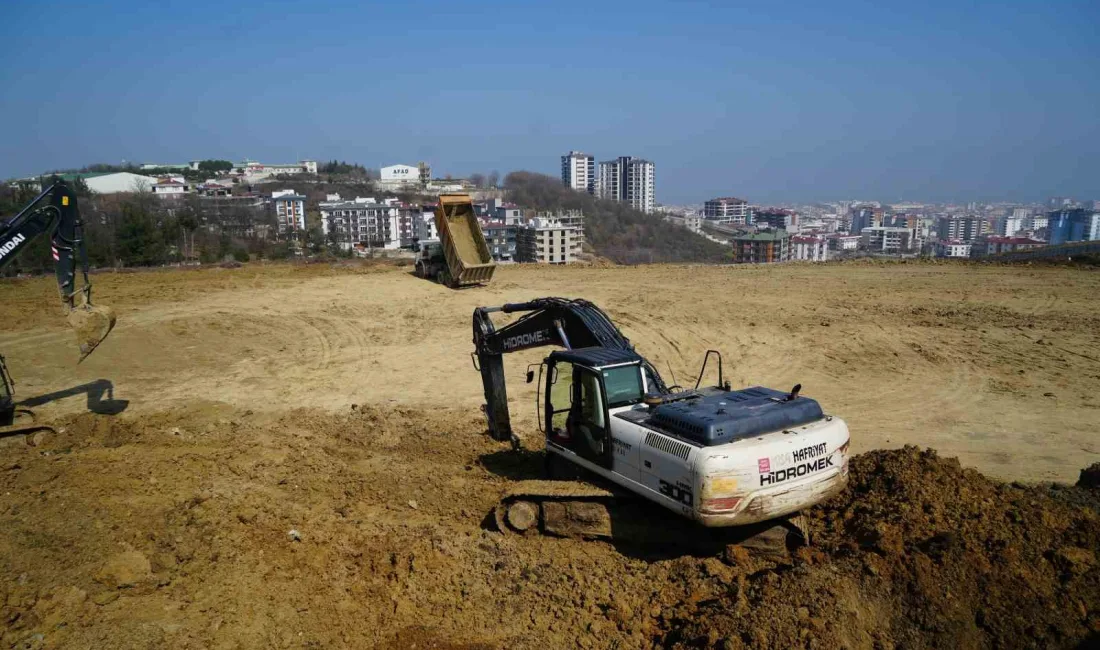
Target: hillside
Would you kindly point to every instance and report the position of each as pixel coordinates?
(614, 230)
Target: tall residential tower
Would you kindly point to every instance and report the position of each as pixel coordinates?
(578, 172)
(628, 179)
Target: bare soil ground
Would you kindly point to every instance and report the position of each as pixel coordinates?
(339, 402)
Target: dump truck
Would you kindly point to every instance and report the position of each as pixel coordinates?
(464, 247)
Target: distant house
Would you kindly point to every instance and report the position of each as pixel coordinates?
(171, 188)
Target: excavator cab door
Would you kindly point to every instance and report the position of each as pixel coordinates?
(576, 412)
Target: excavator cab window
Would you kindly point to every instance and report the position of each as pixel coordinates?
(624, 385)
(589, 421)
(559, 400)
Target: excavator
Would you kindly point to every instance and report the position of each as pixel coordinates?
(54, 211)
(723, 458)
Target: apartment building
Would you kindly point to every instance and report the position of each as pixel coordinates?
(766, 247)
(545, 243)
(728, 209)
(992, 245)
(809, 249)
(865, 216)
(776, 218)
(290, 212)
(578, 171)
(964, 229)
(1073, 225)
(839, 242)
(569, 218)
(953, 249)
(630, 180)
(885, 239)
(362, 224)
(502, 240)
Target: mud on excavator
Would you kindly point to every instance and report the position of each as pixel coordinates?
(745, 460)
(53, 211)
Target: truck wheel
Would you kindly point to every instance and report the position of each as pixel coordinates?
(444, 277)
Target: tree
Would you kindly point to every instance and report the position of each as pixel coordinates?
(215, 165)
(478, 180)
(614, 229)
(493, 180)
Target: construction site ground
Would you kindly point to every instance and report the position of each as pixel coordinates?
(294, 456)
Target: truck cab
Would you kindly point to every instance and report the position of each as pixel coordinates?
(719, 456)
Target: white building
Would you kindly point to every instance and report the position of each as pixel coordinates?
(630, 180)
(728, 209)
(174, 187)
(692, 222)
(253, 169)
(119, 182)
(362, 223)
(290, 211)
(884, 239)
(956, 249)
(809, 249)
(1010, 225)
(399, 177)
(578, 172)
(424, 227)
(545, 243)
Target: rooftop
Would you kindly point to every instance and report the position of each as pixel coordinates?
(764, 235)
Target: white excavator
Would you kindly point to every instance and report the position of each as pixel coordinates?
(721, 457)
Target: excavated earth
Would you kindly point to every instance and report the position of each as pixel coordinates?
(284, 457)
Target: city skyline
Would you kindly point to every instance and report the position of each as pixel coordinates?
(779, 104)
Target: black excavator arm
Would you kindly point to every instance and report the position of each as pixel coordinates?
(55, 211)
(550, 321)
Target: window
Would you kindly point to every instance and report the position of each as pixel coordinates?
(591, 401)
(561, 395)
(624, 385)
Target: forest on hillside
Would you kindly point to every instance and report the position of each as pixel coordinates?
(615, 230)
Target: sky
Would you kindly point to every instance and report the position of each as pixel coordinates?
(772, 102)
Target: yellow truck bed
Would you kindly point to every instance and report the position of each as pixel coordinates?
(464, 245)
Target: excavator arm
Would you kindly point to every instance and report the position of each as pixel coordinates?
(548, 321)
(55, 211)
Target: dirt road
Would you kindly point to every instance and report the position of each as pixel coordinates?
(340, 403)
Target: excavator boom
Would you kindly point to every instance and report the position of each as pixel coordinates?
(55, 211)
(547, 321)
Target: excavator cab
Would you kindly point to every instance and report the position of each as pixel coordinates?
(582, 386)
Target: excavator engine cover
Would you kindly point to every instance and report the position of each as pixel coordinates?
(716, 416)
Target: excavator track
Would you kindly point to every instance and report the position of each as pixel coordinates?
(581, 510)
(24, 424)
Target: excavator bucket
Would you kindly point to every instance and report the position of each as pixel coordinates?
(92, 324)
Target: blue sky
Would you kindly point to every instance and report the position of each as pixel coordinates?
(769, 101)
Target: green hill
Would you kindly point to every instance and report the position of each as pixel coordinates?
(614, 230)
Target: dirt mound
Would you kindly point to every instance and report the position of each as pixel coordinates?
(208, 526)
(921, 553)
